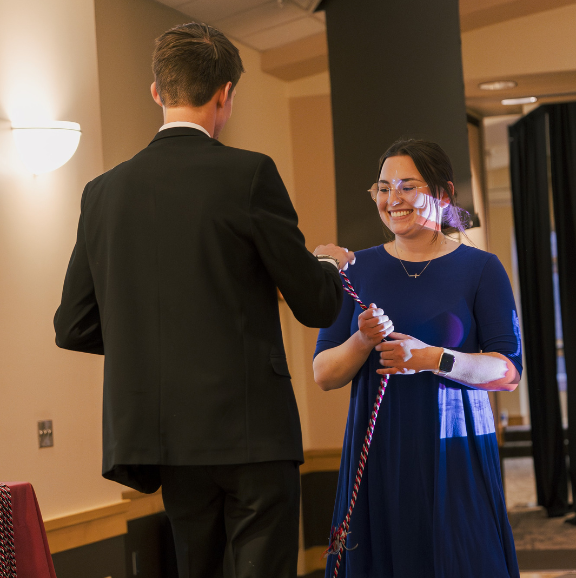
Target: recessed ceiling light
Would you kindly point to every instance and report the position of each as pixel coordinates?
(498, 85)
(526, 100)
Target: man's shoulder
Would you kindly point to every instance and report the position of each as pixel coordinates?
(245, 154)
(202, 148)
(170, 140)
(245, 161)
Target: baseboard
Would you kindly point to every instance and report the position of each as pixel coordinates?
(319, 475)
(546, 559)
(99, 525)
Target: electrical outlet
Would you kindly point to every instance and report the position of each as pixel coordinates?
(45, 434)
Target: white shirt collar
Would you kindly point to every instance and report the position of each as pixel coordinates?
(185, 124)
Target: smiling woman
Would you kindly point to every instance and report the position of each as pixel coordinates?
(432, 485)
(428, 183)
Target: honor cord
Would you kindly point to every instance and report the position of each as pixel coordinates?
(338, 535)
(7, 551)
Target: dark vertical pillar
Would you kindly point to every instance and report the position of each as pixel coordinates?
(395, 71)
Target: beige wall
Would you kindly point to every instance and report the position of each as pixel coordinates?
(125, 32)
(89, 61)
(260, 119)
(47, 68)
(542, 42)
(323, 413)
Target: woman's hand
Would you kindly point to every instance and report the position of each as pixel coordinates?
(335, 367)
(373, 326)
(488, 371)
(406, 355)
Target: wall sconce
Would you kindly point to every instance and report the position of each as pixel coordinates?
(44, 147)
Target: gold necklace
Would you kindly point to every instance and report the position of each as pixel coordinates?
(416, 275)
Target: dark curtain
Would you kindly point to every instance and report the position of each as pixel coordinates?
(529, 177)
(562, 123)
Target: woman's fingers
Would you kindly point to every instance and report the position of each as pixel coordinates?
(388, 328)
(374, 324)
(399, 336)
(371, 313)
(388, 371)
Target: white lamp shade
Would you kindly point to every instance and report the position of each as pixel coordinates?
(44, 148)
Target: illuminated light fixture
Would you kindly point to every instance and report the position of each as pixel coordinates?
(45, 147)
(526, 100)
(498, 85)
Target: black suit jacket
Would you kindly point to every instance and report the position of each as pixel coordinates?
(173, 278)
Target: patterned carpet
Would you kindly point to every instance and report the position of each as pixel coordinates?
(542, 543)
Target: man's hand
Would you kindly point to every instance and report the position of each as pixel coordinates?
(343, 256)
(374, 326)
(405, 355)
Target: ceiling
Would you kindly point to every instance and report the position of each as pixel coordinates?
(269, 25)
(260, 24)
(547, 87)
(266, 24)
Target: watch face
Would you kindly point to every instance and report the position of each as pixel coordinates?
(446, 363)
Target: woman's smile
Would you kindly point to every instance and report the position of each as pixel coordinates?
(399, 213)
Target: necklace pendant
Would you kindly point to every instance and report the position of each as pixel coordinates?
(415, 275)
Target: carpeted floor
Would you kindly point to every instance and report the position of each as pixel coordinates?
(542, 543)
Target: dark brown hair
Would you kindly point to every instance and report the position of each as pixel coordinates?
(436, 169)
(191, 62)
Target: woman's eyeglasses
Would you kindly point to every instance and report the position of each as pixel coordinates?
(405, 191)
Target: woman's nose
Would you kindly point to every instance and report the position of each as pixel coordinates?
(393, 197)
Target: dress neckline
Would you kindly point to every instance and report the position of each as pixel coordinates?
(382, 250)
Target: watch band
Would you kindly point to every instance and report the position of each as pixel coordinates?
(329, 258)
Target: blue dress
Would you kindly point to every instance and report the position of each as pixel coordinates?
(431, 503)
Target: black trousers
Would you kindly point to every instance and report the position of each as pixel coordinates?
(234, 521)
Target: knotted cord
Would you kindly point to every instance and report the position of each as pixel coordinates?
(7, 552)
(338, 534)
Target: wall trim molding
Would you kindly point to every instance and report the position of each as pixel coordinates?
(95, 525)
(326, 460)
(142, 505)
(311, 559)
(111, 520)
(101, 523)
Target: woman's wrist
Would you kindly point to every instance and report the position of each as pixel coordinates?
(363, 345)
(431, 358)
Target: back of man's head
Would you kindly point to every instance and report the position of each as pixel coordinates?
(191, 62)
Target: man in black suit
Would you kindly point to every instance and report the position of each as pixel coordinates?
(174, 277)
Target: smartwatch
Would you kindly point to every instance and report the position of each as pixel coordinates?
(447, 361)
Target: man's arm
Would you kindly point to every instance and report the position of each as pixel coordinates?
(77, 320)
(313, 290)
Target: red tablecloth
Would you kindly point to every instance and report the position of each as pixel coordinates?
(33, 559)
